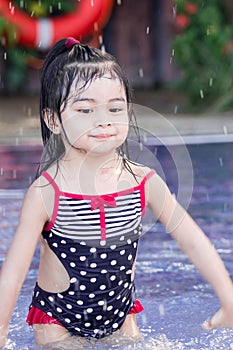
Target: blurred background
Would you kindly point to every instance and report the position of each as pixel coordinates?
(175, 53)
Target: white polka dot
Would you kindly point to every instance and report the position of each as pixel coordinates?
(82, 243)
(72, 264)
(55, 245)
(93, 250)
(116, 311)
(135, 245)
(42, 302)
(121, 314)
(102, 287)
(82, 258)
(51, 299)
(93, 265)
(115, 325)
(106, 322)
(99, 317)
(73, 250)
(50, 235)
(127, 302)
(122, 268)
(96, 331)
(129, 241)
(63, 255)
(128, 272)
(73, 280)
(122, 238)
(113, 262)
(90, 310)
(122, 252)
(101, 302)
(111, 293)
(71, 292)
(130, 257)
(110, 307)
(126, 285)
(59, 309)
(60, 296)
(83, 273)
(78, 316)
(50, 314)
(93, 280)
(119, 296)
(113, 246)
(82, 287)
(120, 283)
(79, 302)
(68, 306)
(92, 295)
(102, 243)
(37, 293)
(67, 320)
(112, 278)
(104, 271)
(77, 329)
(135, 231)
(103, 256)
(87, 324)
(63, 241)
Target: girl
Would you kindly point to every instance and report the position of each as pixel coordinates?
(86, 207)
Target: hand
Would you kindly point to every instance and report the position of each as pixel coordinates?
(222, 319)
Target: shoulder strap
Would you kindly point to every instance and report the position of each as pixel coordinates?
(51, 181)
(56, 200)
(142, 189)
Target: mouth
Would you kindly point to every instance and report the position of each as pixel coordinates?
(102, 136)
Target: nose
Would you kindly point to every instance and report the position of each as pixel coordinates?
(102, 118)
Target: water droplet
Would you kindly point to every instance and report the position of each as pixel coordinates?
(51, 9)
(220, 161)
(32, 13)
(59, 6)
(147, 30)
(100, 39)
(175, 109)
(5, 55)
(141, 73)
(161, 310)
(201, 93)
(225, 129)
(211, 82)
(92, 3)
(119, 2)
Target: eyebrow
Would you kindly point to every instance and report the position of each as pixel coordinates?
(86, 99)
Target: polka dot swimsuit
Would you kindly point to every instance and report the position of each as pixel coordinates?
(96, 239)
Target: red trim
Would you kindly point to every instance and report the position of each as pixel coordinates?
(136, 308)
(37, 316)
(87, 18)
(102, 223)
(105, 198)
(56, 200)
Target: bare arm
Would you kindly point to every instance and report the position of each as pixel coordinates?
(18, 259)
(196, 245)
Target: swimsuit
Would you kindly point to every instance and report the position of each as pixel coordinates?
(96, 239)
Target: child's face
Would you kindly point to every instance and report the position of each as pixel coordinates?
(96, 120)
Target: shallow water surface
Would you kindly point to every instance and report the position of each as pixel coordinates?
(175, 297)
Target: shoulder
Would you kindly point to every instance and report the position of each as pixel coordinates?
(38, 199)
(140, 171)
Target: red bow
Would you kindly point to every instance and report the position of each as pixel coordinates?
(107, 199)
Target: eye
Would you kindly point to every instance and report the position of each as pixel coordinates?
(115, 110)
(85, 110)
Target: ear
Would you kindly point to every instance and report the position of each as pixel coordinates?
(52, 121)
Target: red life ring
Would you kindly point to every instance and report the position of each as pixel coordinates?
(44, 32)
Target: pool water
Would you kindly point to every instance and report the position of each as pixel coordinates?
(176, 298)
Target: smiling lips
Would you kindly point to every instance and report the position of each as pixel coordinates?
(102, 136)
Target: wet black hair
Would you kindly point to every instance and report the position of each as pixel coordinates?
(64, 66)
